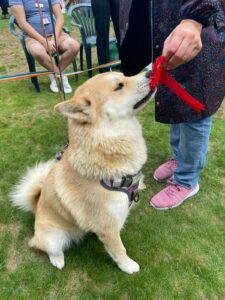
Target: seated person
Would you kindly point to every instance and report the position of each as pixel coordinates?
(28, 18)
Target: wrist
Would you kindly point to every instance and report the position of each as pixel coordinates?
(42, 41)
(193, 22)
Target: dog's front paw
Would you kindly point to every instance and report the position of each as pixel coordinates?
(142, 186)
(57, 261)
(128, 265)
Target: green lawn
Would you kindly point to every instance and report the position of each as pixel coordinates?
(181, 252)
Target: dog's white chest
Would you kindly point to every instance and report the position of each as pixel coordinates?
(118, 207)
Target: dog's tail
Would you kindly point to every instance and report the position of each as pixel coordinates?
(26, 193)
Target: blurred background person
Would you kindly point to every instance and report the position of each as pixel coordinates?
(40, 42)
(102, 11)
(4, 6)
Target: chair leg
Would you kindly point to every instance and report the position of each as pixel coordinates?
(88, 58)
(34, 80)
(36, 84)
(32, 68)
(81, 57)
(75, 69)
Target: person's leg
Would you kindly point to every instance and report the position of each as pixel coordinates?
(39, 53)
(114, 9)
(4, 6)
(68, 48)
(101, 12)
(193, 145)
(175, 139)
(135, 52)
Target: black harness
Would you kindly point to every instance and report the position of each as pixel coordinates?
(128, 184)
(59, 154)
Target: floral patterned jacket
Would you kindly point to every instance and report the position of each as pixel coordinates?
(204, 76)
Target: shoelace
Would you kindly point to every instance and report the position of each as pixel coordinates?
(171, 163)
(172, 189)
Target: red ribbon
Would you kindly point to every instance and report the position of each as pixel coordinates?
(160, 75)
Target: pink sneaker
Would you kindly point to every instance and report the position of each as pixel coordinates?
(172, 196)
(165, 171)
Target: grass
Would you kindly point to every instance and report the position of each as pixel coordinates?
(181, 252)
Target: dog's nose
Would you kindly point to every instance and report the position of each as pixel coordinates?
(147, 74)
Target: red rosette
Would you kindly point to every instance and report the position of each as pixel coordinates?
(160, 75)
(157, 70)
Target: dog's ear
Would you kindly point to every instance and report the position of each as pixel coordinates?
(78, 110)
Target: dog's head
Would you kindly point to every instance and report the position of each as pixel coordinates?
(108, 96)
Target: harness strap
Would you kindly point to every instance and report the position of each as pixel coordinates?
(128, 184)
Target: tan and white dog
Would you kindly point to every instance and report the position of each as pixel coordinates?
(105, 143)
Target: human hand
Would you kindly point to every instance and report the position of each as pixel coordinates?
(183, 44)
(50, 46)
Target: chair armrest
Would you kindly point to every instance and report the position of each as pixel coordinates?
(81, 28)
(66, 30)
(13, 30)
(73, 23)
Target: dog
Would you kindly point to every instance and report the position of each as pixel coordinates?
(92, 187)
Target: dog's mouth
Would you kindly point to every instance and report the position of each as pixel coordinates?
(142, 102)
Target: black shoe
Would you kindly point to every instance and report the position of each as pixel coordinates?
(6, 16)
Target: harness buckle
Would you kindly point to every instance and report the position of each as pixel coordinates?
(128, 184)
(136, 197)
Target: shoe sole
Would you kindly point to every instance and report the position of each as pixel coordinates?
(53, 91)
(66, 92)
(194, 192)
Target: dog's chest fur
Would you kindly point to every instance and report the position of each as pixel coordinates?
(89, 200)
(118, 207)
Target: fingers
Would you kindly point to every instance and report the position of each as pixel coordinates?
(171, 46)
(185, 53)
(52, 47)
(182, 45)
(53, 42)
(49, 46)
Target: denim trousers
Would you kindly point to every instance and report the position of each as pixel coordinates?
(189, 142)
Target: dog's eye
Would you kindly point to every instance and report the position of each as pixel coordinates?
(119, 87)
(88, 102)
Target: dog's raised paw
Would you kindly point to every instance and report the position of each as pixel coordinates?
(129, 266)
(57, 261)
(142, 186)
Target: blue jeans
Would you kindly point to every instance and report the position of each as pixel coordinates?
(189, 142)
